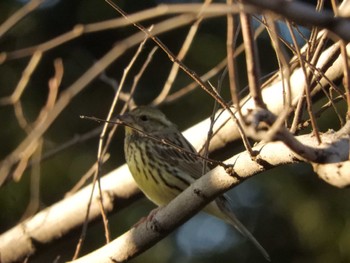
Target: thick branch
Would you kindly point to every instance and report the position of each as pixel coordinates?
(193, 199)
(305, 14)
(118, 189)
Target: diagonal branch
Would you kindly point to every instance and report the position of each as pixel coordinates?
(305, 14)
(193, 199)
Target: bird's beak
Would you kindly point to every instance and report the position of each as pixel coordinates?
(125, 119)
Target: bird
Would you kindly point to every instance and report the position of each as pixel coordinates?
(163, 163)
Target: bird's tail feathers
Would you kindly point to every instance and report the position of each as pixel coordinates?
(223, 203)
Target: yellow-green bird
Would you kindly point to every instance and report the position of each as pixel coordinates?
(162, 171)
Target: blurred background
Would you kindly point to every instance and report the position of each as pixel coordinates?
(294, 215)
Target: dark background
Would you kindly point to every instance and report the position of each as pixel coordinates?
(295, 216)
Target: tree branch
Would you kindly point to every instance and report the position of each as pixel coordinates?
(194, 198)
(304, 14)
(118, 190)
(225, 130)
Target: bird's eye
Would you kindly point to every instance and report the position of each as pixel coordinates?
(143, 118)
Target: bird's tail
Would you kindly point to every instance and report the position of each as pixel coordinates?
(224, 205)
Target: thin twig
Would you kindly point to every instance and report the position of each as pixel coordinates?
(132, 90)
(308, 76)
(50, 102)
(19, 15)
(181, 55)
(285, 73)
(34, 201)
(346, 80)
(252, 60)
(84, 178)
(152, 13)
(191, 74)
(23, 82)
(160, 140)
(212, 72)
(70, 92)
(231, 66)
(100, 157)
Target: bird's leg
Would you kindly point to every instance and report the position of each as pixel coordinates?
(148, 218)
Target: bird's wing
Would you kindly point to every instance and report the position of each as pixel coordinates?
(183, 158)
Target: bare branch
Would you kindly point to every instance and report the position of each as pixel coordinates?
(118, 189)
(11, 160)
(193, 199)
(253, 67)
(226, 131)
(19, 15)
(304, 14)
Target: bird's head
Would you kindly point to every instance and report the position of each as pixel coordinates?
(146, 119)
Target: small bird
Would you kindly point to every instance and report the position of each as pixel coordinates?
(161, 170)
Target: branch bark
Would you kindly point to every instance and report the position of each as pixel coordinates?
(118, 190)
(304, 14)
(194, 198)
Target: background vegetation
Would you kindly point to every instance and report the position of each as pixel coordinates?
(296, 216)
